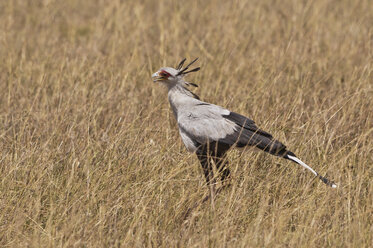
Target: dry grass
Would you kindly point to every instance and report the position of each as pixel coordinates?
(90, 152)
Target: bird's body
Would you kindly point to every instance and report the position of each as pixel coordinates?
(199, 122)
(210, 130)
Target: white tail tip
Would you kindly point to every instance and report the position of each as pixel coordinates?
(300, 162)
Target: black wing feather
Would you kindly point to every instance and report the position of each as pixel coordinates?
(246, 123)
(250, 135)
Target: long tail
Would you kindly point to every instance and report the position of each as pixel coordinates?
(291, 156)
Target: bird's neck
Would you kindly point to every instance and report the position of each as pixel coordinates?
(180, 90)
(180, 97)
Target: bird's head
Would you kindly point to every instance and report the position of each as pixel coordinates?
(171, 76)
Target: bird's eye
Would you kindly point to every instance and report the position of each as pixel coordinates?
(164, 74)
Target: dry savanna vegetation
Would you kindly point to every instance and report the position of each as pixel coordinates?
(90, 154)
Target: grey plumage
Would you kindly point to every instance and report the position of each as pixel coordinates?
(210, 130)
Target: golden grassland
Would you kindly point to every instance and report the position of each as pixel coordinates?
(90, 154)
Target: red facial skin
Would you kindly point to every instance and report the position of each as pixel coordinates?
(164, 74)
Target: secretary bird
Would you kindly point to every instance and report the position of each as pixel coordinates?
(210, 130)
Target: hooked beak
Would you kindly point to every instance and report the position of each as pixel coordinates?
(156, 77)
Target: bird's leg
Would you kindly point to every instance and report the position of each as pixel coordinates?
(210, 179)
(206, 160)
(222, 166)
(212, 184)
(225, 175)
(206, 167)
(220, 159)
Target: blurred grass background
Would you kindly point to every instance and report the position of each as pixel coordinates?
(90, 155)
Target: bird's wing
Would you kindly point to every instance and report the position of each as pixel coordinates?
(204, 123)
(246, 123)
(250, 134)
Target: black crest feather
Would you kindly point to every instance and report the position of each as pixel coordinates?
(184, 70)
(180, 64)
